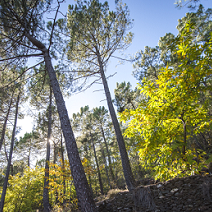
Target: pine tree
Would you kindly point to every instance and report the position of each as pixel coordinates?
(95, 34)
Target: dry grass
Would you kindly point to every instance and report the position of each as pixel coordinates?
(110, 194)
(113, 192)
(67, 208)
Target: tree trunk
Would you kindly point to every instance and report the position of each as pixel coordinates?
(123, 152)
(55, 154)
(46, 204)
(108, 154)
(5, 122)
(139, 170)
(28, 158)
(54, 161)
(105, 163)
(97, 164)
(10, 157)
(89, 176)
(184, 135)
(85, 200)
(11, 170)
(63, 167)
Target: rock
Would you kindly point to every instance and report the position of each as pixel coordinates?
(192, 193)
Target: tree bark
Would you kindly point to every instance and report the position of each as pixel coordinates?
(55, 153)
(11, 170)
(63, 167)
(89, 176)
(123, 152)
(105, 163)
(28, 157)
(46, 204)
(97, 164)
(108, 154)
(184, 135)
(10, 157)
(85, 200)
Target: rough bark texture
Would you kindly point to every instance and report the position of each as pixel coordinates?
(85, 200)
(46, 204)
(123, 152)
(10, 157)
(97, 164)
(84, 196)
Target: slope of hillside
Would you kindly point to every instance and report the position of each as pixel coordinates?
(192, 194)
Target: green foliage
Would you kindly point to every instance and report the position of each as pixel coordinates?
(24, 192)
(189, 3)
(96, 31)
(147, 63)
(92, 23)
(58, 190)
(202, 19)
(176, 108)
(125, 98)
(30, 13)
(27, 145)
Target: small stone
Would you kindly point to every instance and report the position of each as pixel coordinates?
(161, 197)
(176, 194)
(159, 186)
(174, 190)
(164, 192)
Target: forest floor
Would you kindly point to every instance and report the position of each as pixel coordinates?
(193, 193)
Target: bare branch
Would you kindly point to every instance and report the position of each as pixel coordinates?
(21, 56)
(87, 87)
(98, 90)
(133, 60)
(53, 26)
(112, 75)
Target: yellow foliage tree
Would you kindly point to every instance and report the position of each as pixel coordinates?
(175, 108)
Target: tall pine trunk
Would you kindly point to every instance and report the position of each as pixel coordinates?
(108, 155)
(105, 163)
(46, 204)
(97, 164)
(29, 154)
(89, 176)
(85, 200)
(63, 167)
(10, 157)
(123, 152)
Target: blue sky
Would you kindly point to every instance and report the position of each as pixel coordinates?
(152, 20)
